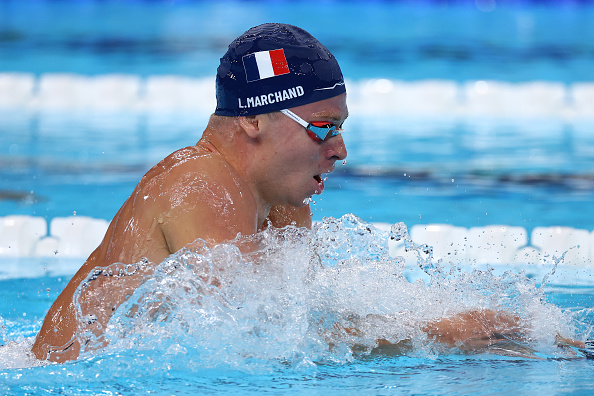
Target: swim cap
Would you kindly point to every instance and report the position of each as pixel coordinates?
(273, 67)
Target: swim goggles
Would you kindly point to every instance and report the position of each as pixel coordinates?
(317, 130)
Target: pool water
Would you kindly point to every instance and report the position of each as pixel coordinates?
(529, 174)
(422, 167)
(458, 168)
(515, 41)
(268, 331)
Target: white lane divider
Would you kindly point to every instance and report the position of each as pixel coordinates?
(445, 98)
(78, 236)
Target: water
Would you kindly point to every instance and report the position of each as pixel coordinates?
(212, 319)
(531, 172)
(536, 173)
(264, 332)
(513, 42)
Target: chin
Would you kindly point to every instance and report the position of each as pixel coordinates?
(299, 203)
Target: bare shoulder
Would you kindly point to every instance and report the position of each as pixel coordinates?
(196, 172)
(196, 193)
(187, 169)
(187, 158)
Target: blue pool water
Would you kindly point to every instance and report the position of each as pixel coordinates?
(543, 166)
(397, 170)
(516, 41)
(419, 169)
(262, 333)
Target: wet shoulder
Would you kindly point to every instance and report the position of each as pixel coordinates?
(185, 159)
(192, 170)
(199, 195)
(200, 161)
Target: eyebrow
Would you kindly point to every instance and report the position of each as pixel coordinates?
(330, 116)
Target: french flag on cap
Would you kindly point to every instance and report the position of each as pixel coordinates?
(265, 64)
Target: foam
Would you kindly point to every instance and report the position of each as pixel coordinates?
(78, 236)
(167, 93)
(294, 293)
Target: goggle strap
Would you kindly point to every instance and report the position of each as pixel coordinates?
(295, 117)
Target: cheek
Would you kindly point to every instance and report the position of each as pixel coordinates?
(302, 161)
(295, 152)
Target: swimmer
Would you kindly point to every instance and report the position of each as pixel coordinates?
(281, 104)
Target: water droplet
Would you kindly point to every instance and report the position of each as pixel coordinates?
(307, 200)
(452, 180)
(344, 162)
(74, 213)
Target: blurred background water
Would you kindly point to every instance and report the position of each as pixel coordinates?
(528, 167)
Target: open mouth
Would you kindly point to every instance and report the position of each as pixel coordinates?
(318, 179)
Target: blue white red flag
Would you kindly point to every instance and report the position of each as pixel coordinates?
(265, 64)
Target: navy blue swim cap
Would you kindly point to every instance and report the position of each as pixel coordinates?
(273, 67)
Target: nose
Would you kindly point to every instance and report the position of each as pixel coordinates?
(336, 149)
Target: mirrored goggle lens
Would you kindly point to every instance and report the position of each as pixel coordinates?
(322, 130)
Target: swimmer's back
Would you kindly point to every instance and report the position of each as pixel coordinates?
(192, 193)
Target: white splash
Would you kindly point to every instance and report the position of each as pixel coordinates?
(297, 297)
(303, 297)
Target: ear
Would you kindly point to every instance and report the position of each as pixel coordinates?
(251, 125)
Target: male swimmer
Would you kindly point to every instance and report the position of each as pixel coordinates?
(281, 103)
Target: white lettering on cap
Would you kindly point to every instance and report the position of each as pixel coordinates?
(274, 97)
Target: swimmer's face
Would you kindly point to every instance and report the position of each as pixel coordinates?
(296, 163)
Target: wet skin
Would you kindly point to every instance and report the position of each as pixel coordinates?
(243, 174)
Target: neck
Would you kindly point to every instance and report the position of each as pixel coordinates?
(238, 150)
